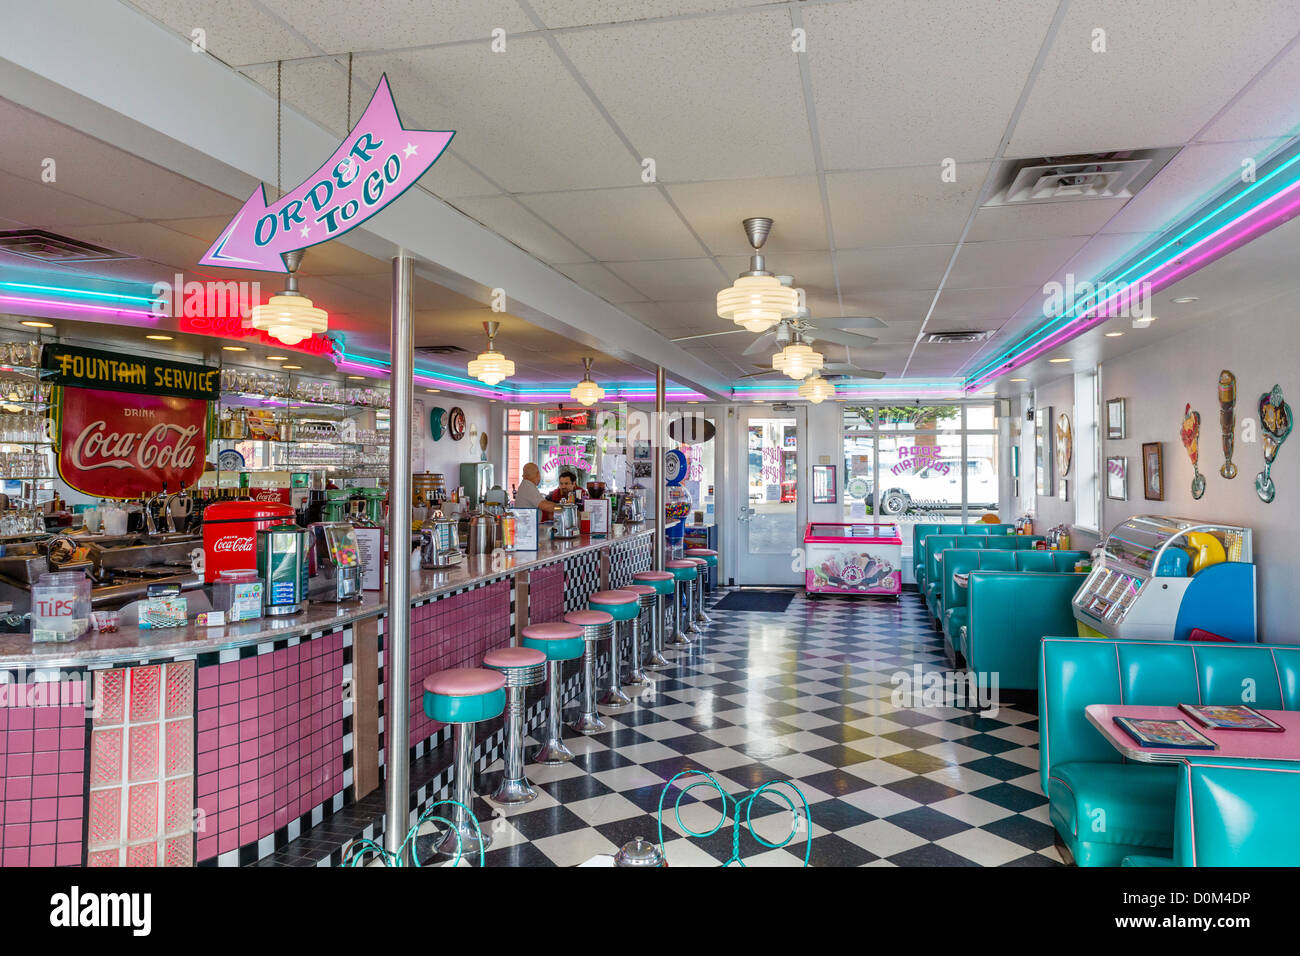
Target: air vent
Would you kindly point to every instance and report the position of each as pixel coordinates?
(782, 407)
(951, 338)
(1069, 181)
(440, 349)
(47, 247)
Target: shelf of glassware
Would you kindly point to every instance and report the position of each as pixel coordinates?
(247, 400)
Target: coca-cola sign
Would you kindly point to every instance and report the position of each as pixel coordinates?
(233, 542)
(117, 445)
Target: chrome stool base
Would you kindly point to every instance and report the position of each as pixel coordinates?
(510, 793)
(614, 696)
(588, 723)
(445, 842)
(552, 752)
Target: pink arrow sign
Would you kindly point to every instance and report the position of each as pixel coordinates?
(378, 161)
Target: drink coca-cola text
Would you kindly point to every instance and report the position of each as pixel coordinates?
(149, 449)
(233, 542)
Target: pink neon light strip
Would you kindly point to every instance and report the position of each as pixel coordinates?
(1177, 270)
(103, 309)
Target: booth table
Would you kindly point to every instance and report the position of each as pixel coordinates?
(855, 557)
(1232, 744)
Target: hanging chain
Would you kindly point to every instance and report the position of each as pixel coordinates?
(279, 101)
(349, 126)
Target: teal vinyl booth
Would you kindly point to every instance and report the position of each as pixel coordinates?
(1233, 814)
(954, 607)
(937, 544)
(922, 530)
(1010, 612)
(1104, 808)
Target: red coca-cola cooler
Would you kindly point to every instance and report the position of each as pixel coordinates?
(230, 533)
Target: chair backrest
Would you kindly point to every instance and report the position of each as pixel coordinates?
(937, 544)
(963, 561)
(1238, 814)
(1010, 613)
(1075, 672)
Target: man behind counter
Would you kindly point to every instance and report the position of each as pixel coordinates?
(528, 495)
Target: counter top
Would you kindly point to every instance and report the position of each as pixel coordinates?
(131, 644)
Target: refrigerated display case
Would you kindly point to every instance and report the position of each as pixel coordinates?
(1160, 577)
(853, 557)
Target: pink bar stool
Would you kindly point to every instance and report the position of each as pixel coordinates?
(646, 597)
(685, 572)
(522, 667)
(462, 697)
(622, 606)
(596, 627)
(664, 584)
(559, 641)
(710, 557)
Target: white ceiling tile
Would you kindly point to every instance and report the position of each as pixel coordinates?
(977, 305)
(906, 206)
(716, 210)
(453, 178)
(889, 307)
(672, 280)
(1269, 108)
(1169, 66)
(234, 31)
(1043, 220)
(985, 265)
(700, 96)
(337, 26)
(595, 278)
(28, 200)
(893, 268)
(901, 83)
(520, 118)
(505, 216)
(811, 270)
(618, 225)
(571, 13)
(317, 89)
(1196, 174)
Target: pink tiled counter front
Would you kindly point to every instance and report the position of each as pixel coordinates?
(546, 593)
(42, 763)
(270, 742)
(455, 631)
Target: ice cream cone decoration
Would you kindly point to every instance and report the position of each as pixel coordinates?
(1191, 435)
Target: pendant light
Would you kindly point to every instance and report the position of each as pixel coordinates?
(290, 317)
(587, 392)
(816, 389)
(491, 367)
(757, 300)
(797, 359)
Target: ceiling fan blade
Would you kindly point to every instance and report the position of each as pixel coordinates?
(766, 371)
(764, 341)
(852, 371)
(851, 322)
(705, 335)
(849, 339)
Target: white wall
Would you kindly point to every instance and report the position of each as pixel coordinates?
(445, 455)
(1157, 381)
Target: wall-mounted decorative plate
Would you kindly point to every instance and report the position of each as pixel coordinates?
(230, 460)
(435, 422)
(456, 423)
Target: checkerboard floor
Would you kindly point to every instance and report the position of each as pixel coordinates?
(804, 695)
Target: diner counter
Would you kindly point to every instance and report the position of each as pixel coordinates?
(133, 645)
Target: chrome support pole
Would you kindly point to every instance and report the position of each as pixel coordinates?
(445, 843)
(678, 639)
(700, 579)
(655, 659)
(614, 696)
(691, 586)
(514, 788)
(588, 720)
(552, 752)
(398, 626)
(635, 676)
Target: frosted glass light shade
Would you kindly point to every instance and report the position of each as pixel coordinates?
(797, 360)
(816, 389)
(289, 318)
(587, 392)
(491, 367)
(757, 302)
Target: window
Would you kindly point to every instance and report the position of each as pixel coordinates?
(933, 463)
(1087, 487)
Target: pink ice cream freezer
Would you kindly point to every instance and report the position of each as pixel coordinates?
(856, 557)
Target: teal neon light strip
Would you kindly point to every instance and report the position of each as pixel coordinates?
(1109, 285)
(79, 293)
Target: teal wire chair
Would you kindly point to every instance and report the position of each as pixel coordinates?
(748, 803)
(361, 850)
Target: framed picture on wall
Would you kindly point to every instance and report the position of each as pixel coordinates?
(1117, 478)
(1116, 421)
(1153, 471)
(824, 487)
(1043, 450)
(1063, 489)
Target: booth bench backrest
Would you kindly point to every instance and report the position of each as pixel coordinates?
(1010, 612)
(921, 529)
(1076, 672)
(1235, 814)
(937, 544)
(964, 560)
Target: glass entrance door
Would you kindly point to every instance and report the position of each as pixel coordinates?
(771, 496)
